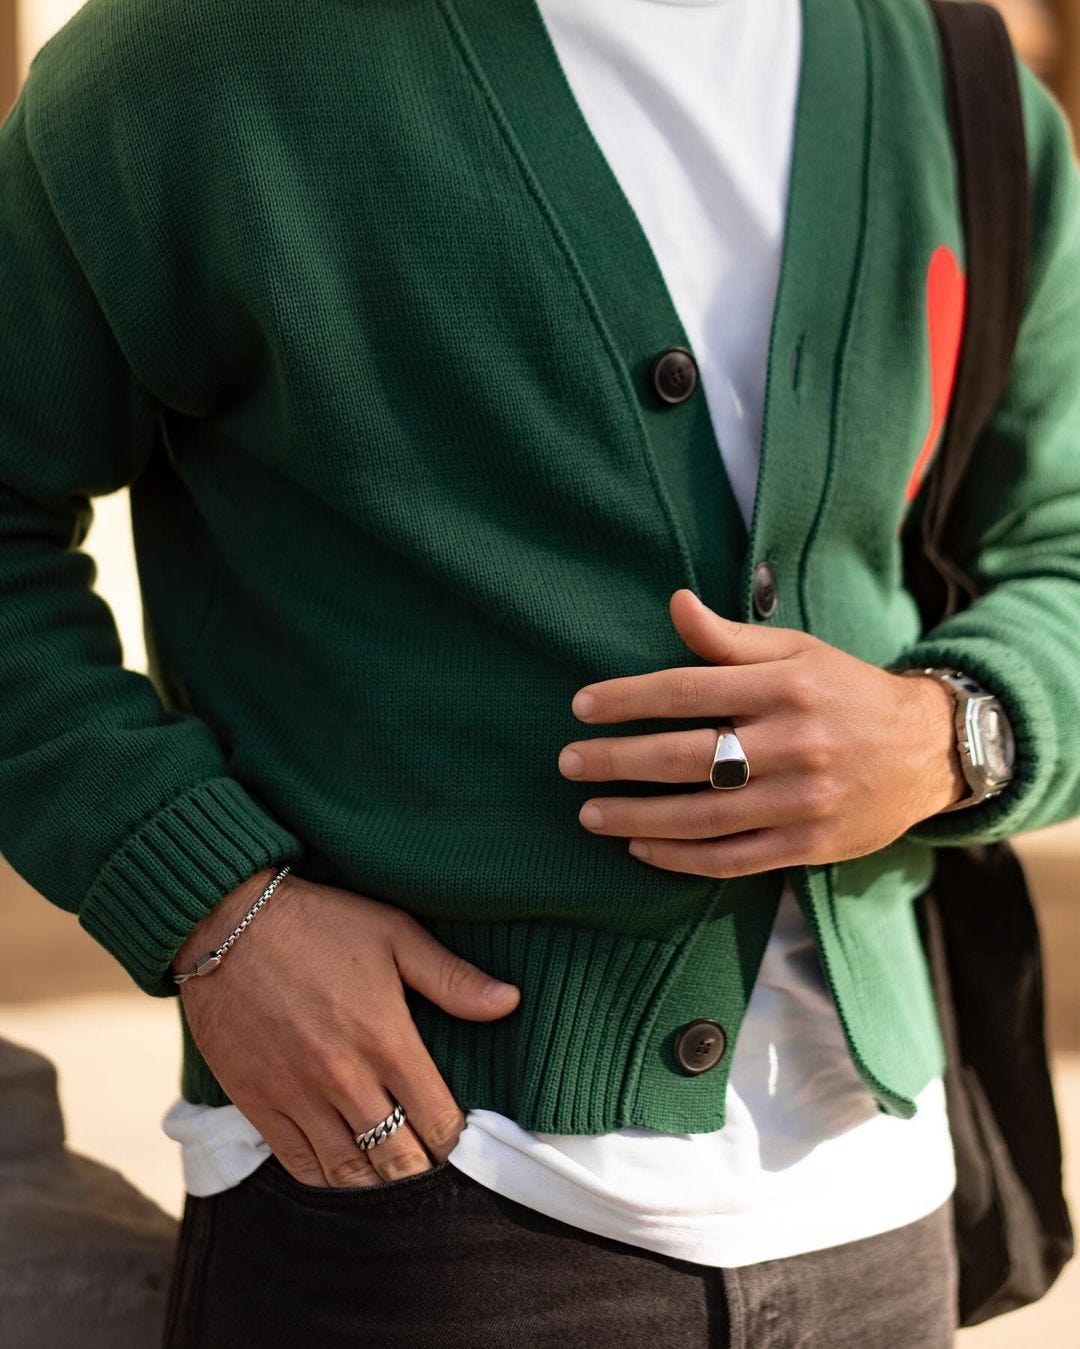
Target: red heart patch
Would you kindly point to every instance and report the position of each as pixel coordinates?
(945, 299)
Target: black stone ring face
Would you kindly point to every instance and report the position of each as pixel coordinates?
(729, 766)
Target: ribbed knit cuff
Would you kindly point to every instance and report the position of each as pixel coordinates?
(173, 870)
(1005, 672)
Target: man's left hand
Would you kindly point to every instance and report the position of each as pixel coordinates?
(844, 756)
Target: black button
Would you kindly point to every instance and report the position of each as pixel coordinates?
(763, 589)
(674, 374)
(700, 1046)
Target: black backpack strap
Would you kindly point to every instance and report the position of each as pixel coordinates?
(991, 158)
(1011, 1219)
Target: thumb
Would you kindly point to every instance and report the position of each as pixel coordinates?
(449, 980)
(723, 641)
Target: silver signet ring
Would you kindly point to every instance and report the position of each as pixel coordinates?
(729, 764)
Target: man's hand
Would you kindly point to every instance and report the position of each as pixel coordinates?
(306, 1027)
(844, 757)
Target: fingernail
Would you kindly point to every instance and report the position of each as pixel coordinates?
(583, 705)
(571, 764)
(592, 817)
(496, 991)
(637, 849)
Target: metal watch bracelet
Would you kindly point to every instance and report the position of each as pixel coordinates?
(212, 959)
(970, 699)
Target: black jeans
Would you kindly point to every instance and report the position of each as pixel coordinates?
(438, 1261)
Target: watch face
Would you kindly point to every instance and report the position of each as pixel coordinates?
(996, 741)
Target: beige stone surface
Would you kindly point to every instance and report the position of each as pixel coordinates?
(85, 1258)
(118, 1062)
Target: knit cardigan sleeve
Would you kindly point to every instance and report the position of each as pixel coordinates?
(111, 806)
(1018, 520)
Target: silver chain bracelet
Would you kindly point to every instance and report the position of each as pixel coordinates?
(213, 959)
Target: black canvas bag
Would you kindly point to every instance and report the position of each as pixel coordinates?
(976, 920)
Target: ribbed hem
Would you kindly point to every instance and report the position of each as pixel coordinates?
(172, 871)
(1006, 673)
(570, 1064)
(589, 1047)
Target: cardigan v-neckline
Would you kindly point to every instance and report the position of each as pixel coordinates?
(519, 74)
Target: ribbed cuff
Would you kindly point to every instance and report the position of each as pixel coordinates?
(173, 870)
(1006, 673)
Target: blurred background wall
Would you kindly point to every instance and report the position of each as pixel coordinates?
(60, 992)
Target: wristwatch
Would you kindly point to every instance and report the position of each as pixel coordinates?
(984, 737)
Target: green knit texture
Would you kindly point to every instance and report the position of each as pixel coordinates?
(350, 299)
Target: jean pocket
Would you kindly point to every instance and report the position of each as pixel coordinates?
(271, 1172)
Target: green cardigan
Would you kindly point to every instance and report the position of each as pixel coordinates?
(350, 298)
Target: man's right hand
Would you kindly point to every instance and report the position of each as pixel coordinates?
(305, 1026)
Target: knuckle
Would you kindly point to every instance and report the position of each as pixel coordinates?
(306, 1056)
(337, 1078)
(702, 820)
(813, 841)
(723, 866)
(604, 757)
(382, 1041)
(684, 693)
(350, 1171)
(444, 1127)
(810, 750)
(399, 919)
(818, 806)
(456, 972)
(301, 1166)
(829, 793)
(682, 761)
(801, 689)
(397, 924)
(401, 1163)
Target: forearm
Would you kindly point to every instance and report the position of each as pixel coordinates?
(111, 806)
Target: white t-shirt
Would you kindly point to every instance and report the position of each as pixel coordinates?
(692, 103)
